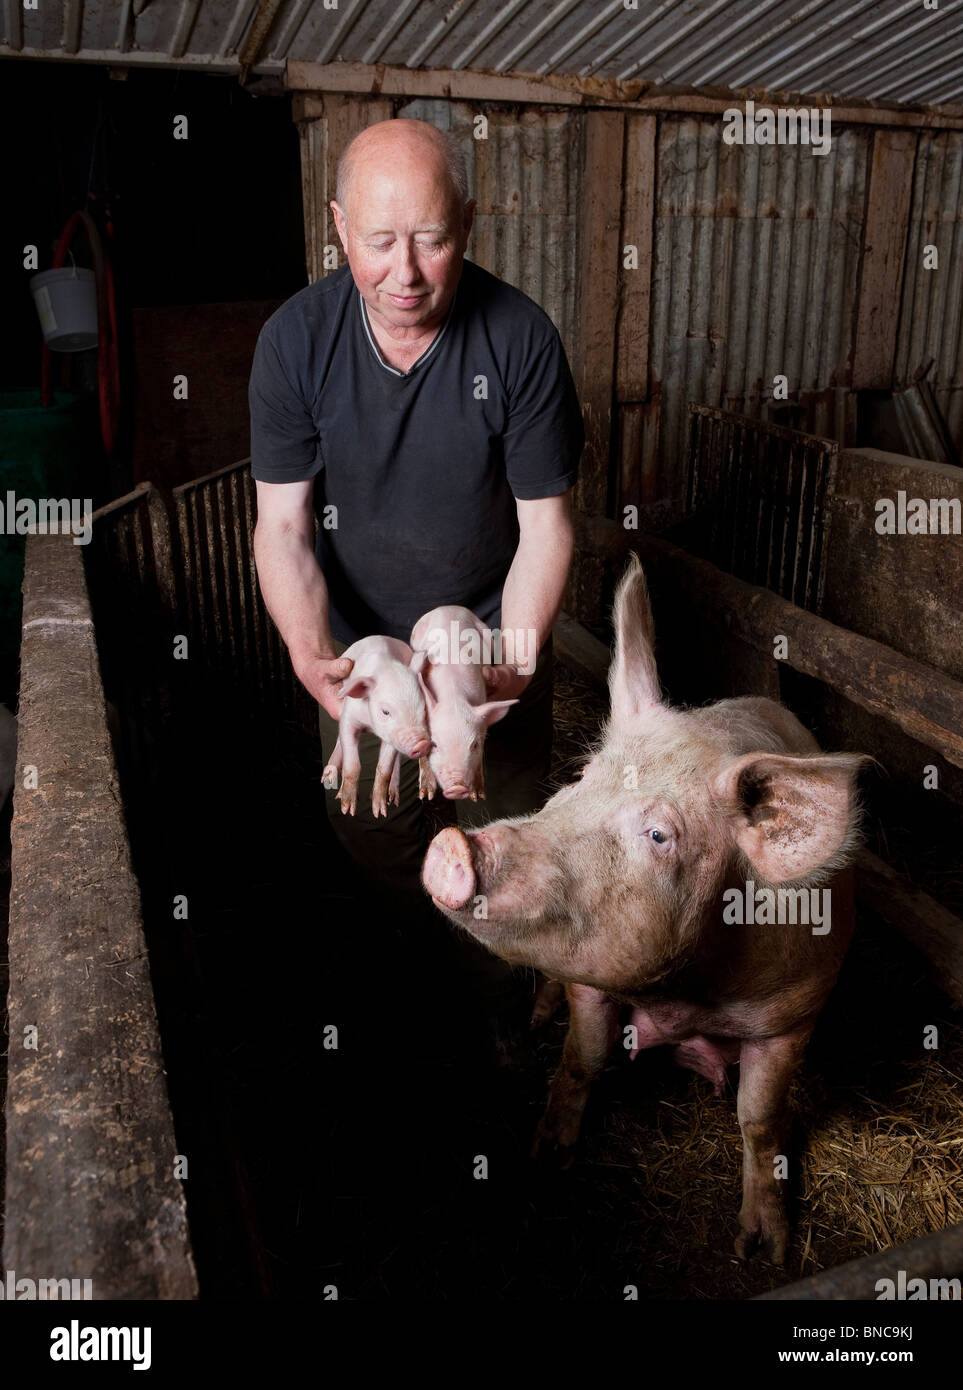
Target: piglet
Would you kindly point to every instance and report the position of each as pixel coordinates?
(384, 694)
(459, 712)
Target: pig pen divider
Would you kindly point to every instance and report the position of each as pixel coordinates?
(91, 1191)
(118, 644)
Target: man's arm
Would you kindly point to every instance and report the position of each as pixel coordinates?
(293, 587)
(533, 590)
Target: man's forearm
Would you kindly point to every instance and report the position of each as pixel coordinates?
(533, 590)
(295, 593)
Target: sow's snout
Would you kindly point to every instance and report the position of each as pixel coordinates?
(448, 872)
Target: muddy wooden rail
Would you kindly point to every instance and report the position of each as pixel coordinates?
(90, 1149)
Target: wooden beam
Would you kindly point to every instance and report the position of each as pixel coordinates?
(90, 1185)
(632, 351)
(932, 928)
(921, 700)
(557, 89)
(598, 295)
(936, 1256)
(884, 247)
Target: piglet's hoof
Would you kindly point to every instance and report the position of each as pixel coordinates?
(329, 778)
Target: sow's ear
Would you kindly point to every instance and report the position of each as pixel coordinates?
(633, 683)
(792, 816)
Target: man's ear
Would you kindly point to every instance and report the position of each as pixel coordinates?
(792, 816)
(340, 222)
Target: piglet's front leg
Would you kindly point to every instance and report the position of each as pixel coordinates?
(427, 786)
(351, 768)
(386, 780)
(329, 777)
(592, 1028)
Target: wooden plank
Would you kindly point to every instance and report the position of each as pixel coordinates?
(884, 246)
(936, 1256)
(90, 1186)
(632, 351)
(932, 928)
(559, 89)
(598, 294)
(594, 358)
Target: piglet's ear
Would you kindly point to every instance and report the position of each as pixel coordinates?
(356, 687)
(792, 816)
(494, 710)
(418, 662)
(431, 698)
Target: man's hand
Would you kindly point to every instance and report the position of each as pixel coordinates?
(321, 679)
(504, 682)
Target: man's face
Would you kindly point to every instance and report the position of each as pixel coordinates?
(405, 236)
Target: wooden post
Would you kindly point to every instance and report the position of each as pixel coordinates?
(598, 297)
(884, 248)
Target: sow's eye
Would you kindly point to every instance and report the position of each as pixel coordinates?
(657, 836)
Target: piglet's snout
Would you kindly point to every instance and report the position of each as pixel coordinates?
(448, 872)
(414, 743)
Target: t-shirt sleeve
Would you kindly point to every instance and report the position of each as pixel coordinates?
(544, 436)
(284, 440)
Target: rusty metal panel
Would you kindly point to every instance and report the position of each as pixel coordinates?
(931, 313)
(755, 273)
(757, 500)
(525, 177)
(228, 625)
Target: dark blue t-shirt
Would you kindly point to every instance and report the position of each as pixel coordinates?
(422, 466)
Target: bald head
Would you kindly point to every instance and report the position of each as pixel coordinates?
(403, 216)
(391, 148)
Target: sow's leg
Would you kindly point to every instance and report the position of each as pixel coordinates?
(766, 1068)
(593, 1024)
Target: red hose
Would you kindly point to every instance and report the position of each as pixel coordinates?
(108, 361)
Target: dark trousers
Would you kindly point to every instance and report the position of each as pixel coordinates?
(391, 850)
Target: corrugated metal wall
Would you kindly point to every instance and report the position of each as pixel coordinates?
(754, 272)
(765, 261)
(525, 178)
(931, 314)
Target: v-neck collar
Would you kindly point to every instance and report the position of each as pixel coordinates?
(420, 361)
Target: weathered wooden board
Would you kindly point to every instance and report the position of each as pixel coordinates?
(90, 1189)
(884, 246)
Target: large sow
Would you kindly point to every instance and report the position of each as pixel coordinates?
(623, 886)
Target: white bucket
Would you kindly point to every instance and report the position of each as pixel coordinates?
(66, 301)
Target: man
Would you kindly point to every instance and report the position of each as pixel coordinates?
(425, 411)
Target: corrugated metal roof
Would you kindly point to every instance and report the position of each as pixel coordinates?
(891, 50)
